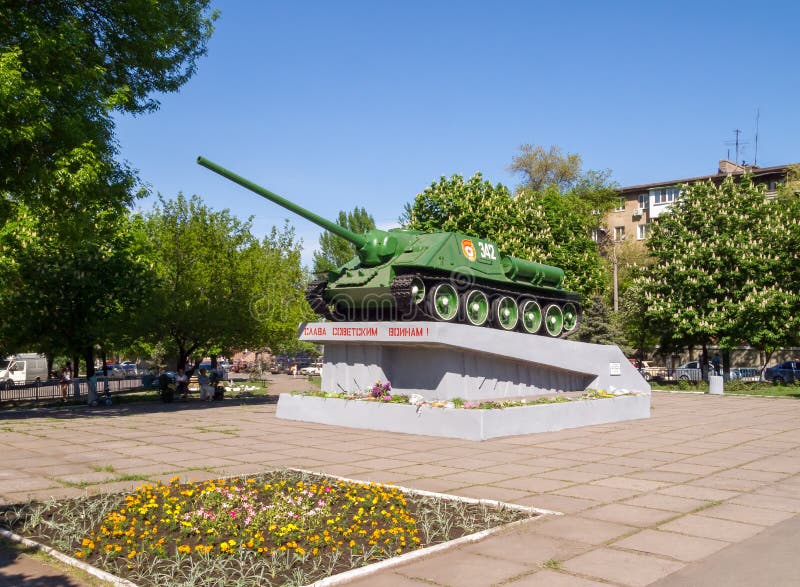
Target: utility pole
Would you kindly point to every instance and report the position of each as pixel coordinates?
(614, 264)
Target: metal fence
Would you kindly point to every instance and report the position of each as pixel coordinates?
(79, 388)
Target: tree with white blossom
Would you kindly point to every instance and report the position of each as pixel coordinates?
(717, 275)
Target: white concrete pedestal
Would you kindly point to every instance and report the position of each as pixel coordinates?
(443, 361)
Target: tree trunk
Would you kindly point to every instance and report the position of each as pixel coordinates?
(726, 364)
(88, 356)
(75, 370)
(182, 354)
(704, 363)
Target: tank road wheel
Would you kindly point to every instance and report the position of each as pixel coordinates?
(531, 316)
(444, 302)
(570, 317)
(417, 291)
(553, 320)
(505, 312)
(476, 307)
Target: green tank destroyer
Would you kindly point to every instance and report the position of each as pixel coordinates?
(401, 274)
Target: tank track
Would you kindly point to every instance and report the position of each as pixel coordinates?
(404, 298)
(401, 289)
(406, 309)
(314, 292)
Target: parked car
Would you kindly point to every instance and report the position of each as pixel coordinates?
(786, 372)
(23, 368)
(129, 367)
(311, 370)
(115, 371)
(691, 371)
(652, 372)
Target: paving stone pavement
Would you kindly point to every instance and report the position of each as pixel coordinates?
(641, 499)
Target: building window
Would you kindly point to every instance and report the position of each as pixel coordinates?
(665, 195)
(642, 231)
(620, 204)
(619, 233)
(597, 234)
(644, 200)
(773, 185)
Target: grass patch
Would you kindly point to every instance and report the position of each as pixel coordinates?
(734, 388)
(102, 468)
(551, 564)
(276, 529)
(117, 478)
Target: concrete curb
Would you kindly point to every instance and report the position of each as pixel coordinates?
(466, 424)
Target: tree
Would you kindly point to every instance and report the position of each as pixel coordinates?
(334, 251)
(278, 284)
(541, 168)
(547, 226)
(68, 287)
(598, 326)
(66, 65)
(218, 287)
(769, 312)
(634, 323)
(716, 275)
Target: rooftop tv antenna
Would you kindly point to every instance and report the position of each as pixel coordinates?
(739, 145)
(755, 156)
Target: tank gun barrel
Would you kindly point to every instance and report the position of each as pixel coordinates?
(358, 240)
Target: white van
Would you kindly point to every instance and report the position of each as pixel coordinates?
(23, 368)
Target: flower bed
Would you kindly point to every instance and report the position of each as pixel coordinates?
(381, 392)
(280, 528)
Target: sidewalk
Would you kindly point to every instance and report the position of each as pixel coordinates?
(642, 499)
(18, 569)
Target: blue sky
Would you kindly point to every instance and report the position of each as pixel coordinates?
(344, 104)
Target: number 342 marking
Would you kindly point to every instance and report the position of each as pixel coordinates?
(487, 250)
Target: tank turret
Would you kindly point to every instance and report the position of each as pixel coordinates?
(444, 276)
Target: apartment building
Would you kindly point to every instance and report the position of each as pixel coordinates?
(640, 205)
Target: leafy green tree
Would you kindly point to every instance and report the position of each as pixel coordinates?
(65, 66)
(278, 282)
(716, 275)
(218, 287)
(66, 288)
(769, 312)
(598, 326)
(634, 323)
(334, 251)
(546, 226)
(542, 168)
